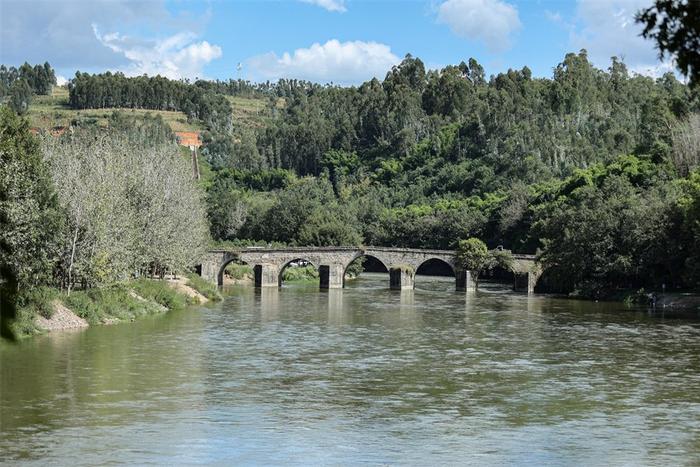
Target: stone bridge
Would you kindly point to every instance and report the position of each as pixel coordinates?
(332, 264)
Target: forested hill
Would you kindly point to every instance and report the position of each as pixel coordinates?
(596, 170)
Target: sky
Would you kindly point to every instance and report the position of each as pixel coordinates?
(344, 42)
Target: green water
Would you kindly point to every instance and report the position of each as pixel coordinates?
(362, 375)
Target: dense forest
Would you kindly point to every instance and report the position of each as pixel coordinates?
(596, 171)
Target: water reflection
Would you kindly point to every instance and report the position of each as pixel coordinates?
(361, 375)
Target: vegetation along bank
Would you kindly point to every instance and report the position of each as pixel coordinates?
(596, 171)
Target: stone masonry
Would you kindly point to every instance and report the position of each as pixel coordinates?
(332, 262)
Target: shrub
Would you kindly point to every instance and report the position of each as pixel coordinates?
(239, 271)
(204, 287)
(300, 273)
(161, 293)
(38, 300)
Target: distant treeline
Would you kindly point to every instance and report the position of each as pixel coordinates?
(17, 85)
(112, 90)
(39, 78)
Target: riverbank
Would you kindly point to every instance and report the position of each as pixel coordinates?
(48, 310)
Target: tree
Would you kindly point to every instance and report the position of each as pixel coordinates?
(475, 257)
(20, 96)
(29, 215)
(675, 26)
(686, 145)
(131, 209)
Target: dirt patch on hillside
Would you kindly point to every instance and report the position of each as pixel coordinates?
(62, 318)
(181, 286)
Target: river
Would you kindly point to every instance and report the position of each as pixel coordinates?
(361, 375)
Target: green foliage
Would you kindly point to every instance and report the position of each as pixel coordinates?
(161, 293)
(300, 273)
(355, 268)
(610, 233)
(20, 96)
(127, 212)
(675, 28)
(101, 304)
(473, 255)
(37, 301)
(38, 79)
(689, 205)
(239, 271)
(204, 287)
(29, 216)
(110, 90)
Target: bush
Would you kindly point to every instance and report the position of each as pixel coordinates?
(96, 305)
(204, 287)
(161, 293)
(37, 301)
(300, 273)
(23, 325)
(82, 305)
(239, 271)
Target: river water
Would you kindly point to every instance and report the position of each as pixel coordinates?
(362, 375)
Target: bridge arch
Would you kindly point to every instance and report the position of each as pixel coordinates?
(230, 258)
(377, 262)
(286, 264)
(438, 266)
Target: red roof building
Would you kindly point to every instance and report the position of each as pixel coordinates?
(188, 138)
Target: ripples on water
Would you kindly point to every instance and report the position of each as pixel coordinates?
(362, 375)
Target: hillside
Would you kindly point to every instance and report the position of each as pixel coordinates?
(53, 111)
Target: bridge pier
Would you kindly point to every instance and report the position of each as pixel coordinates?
(209, 270)
(266, 275)
(332, 276)
(465, 281)
(401, 278)
(525, 281)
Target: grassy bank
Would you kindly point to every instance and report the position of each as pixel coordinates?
(106, 305)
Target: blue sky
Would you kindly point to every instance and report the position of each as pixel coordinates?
(340, 41)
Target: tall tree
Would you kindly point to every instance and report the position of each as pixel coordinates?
(29, 216)
(675, 26)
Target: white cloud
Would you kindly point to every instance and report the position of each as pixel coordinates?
(177, 56)
(330, 5)
(61, 80)
(489, 21)
(62, 33)
(607, 28)
(339, 62)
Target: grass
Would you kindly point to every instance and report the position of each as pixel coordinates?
(98, 305)
(204, 287)
(53, 110)
(123, 302)
(250, 111)
(30, 304)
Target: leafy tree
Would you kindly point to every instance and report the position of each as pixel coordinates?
(20, 96)
(128, 212)
(29, 214)
(474, 256)
(675, 26)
